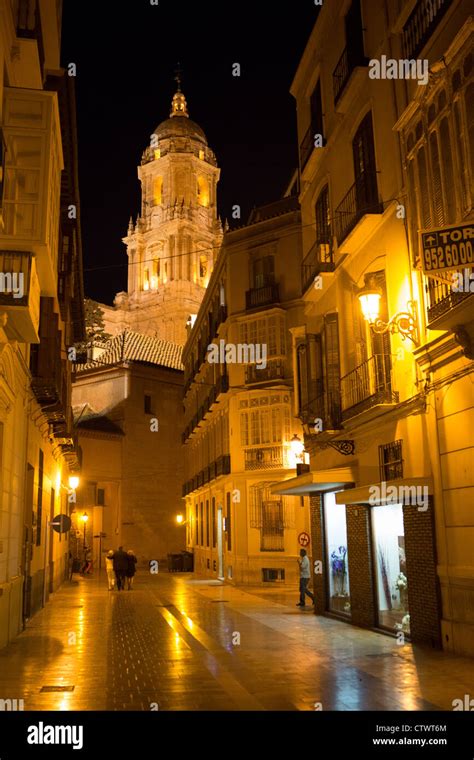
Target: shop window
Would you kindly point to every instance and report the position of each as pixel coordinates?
(391, 461)
(337, 560)
(390, 567)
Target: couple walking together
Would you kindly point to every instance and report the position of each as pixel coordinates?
(120, 565)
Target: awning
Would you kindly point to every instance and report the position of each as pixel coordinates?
(384, 493)
(318, 480)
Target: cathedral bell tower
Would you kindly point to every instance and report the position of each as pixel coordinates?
(173, 244)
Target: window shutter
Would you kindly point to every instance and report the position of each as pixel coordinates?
(438, 206)
(448, 173)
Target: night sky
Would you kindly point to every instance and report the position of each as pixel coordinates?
(126, 54)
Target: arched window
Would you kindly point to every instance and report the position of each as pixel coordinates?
(146, 279)
(157, 191)
(203, 192)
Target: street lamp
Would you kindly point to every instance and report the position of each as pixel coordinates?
(403, 322)
(298, 451)
(73, 482)
(179, 519)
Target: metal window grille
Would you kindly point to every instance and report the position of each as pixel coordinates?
(391, 461)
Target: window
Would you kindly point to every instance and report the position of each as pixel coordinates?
(323, 218)
(207, 522)
(272, 532)
(391, 461)
(265, 426)
(146, 279)
(263, 271)
(336, 554)
(157, 191)
(101, 497)
(214, 531)
(197, 524)
(316, 112)
(203, 192)
(363, 152)
(266, 330)
(147, 404)
(202, 523)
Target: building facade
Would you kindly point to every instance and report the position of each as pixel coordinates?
(41, 305)
(390, 468)
(127, 406)
(239, 406)
(172, 245)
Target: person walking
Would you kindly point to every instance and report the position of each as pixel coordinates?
(109, 566)
(131, 569)
(87, 566)
(305, 575)
(120, 562)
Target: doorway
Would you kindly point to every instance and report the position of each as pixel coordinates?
(220, 544)
(28, 542)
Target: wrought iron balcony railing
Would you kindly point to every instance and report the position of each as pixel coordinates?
(275, 370)
(265, 458)
(361, 199)
(325, 407)
(441, 296)
(263, 296)
(421, 24)
(346, 64)
(368, 385)
(319, 259)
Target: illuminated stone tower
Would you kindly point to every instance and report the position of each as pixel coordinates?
(173, 244)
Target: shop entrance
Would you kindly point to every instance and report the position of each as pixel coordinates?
(339, 599)
(390, 568)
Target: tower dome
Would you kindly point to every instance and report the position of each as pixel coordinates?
(179, 124)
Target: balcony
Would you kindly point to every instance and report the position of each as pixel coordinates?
(448, 308)
(28, 24)
(20, 296)
(33, 165)
(421, 24)
(45, 358)
(319, 259)
(350, 60)
(359, 201)
(266, 458)
(275, 370)
(368, 386)
(264, 296)
(325, 407)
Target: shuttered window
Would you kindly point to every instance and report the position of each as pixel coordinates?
(438, 205)
(448, 173)
(323, 225)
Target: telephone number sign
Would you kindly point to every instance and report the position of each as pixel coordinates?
(448, 248)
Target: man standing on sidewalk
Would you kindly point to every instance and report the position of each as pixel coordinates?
(305, 575)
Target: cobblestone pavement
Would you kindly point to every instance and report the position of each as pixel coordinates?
(177, 642)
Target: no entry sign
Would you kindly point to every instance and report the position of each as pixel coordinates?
(303, 539)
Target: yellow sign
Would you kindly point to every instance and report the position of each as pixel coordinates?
(448, 248)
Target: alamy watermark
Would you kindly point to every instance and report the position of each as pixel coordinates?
(403, 68)
(392, 494)
(12, 282)
(238, 353)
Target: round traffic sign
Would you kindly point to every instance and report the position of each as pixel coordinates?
(303, 539)
(61, 523)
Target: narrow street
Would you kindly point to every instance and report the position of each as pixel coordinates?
(172, 644)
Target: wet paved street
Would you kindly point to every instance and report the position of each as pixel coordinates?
(177, 642)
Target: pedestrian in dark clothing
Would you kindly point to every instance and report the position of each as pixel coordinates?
(132, 561)
(120, 561)
(305, 575)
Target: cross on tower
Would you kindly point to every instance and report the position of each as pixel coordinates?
(178, 75)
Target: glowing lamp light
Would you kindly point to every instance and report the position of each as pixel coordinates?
(370, 305)
(73, 482)
(297, 447)
(84, 517)
(179, 519)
